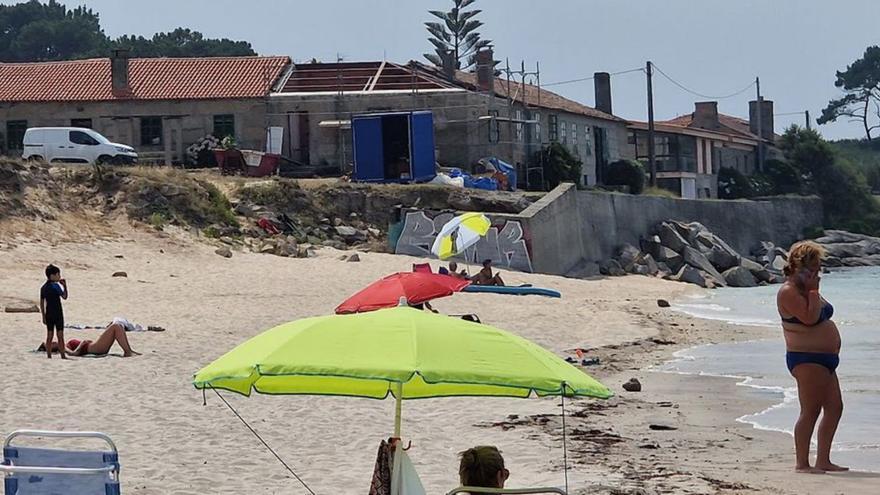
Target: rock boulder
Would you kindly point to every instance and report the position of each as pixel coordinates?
(740, 277)
(696, 259)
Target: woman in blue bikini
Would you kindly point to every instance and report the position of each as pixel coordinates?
(812, 344)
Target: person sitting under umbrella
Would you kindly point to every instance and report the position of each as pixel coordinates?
(485, 276)
(452, 271)
(482, 467)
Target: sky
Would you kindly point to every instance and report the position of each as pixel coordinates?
(712, 47)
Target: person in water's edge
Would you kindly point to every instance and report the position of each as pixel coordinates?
(812, 343)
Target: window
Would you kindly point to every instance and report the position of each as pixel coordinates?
(224, 125)
(553, 127)
(574, 137)
(537, 118)
(562, 132)
(151, 131)
(494, 128)
(587, 133)
(704, 145)
(80, 137)
(84, 123)
(519, 125)
(15, 130)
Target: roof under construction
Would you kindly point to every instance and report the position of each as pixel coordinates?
(360, 76)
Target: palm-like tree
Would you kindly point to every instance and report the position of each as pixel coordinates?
(456, 40)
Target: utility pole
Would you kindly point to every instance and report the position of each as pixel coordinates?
(807, 118)
(760, 105)
(649, 71)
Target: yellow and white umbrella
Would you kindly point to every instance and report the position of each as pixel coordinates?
(459, 234)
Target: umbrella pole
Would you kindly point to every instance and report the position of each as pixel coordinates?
(398, 395)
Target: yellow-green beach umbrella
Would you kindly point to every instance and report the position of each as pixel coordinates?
(404, 352)
(459, 234)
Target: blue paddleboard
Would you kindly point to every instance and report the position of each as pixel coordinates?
(516, 291)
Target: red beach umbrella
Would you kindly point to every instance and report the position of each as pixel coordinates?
(415, 287)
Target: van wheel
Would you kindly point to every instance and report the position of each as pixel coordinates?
(35, 159)
(104, 160)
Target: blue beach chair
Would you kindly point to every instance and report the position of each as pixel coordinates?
(44, 471)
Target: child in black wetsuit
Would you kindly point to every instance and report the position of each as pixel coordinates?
(51, 294)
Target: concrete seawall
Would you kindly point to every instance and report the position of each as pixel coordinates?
(568, 228)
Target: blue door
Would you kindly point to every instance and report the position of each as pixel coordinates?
(422, 146)
(369, 159)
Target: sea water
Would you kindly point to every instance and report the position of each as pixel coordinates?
(761, 364)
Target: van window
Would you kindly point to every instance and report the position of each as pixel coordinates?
(15, 130)
(79, 137)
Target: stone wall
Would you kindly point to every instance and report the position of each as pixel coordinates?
(567, 228)
(608, 220)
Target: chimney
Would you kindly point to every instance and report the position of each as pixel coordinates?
(767, 122)
(602, 87)
(706, 115)
(486, 70)
(119, 71)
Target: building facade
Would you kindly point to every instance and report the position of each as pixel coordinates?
(162, 106)
(475, 115)
(159, 106)
(690, 150)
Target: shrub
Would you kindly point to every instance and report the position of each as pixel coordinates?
(157, 220)
(733, 185)
(559, 165)
(628, 173)
(783, 177)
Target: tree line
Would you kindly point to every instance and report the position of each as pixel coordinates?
(35, 32)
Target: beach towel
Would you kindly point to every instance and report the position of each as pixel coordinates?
(381, 483)
(404, 479)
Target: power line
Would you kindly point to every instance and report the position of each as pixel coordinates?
(583, 79)
(708, 97)
(787, 114)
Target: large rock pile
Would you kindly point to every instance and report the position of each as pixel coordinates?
(293, 236)
(848, 249)
(689, 252)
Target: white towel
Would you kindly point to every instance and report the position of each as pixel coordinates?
(127, 325)
(404, 479)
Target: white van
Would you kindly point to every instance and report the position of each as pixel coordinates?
(74, 145)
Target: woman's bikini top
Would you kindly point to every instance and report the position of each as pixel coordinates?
(824, 315)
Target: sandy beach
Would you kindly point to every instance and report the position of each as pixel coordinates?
(170, 443)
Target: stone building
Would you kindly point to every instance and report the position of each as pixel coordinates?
(690, 150)
(475, 114)
(160, 106)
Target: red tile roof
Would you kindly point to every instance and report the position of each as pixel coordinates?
(150, 79)
(728, 125)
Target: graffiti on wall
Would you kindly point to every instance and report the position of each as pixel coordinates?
(505, 244)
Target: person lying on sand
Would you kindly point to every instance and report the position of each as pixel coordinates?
(485, 276)
(115, 332)
(482, 467)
